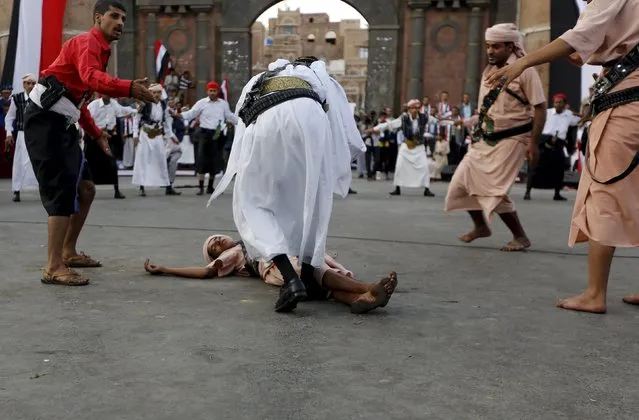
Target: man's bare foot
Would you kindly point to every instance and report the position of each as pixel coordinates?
(584, 303)
(152, 268)
(632, 299)
(482, 232)
(377, 297)
(517, 245)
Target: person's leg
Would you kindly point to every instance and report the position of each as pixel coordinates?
(480, 227)
(594, 298)
(529, 181)
(200, 159)
(172, 165)
(86, 194)
(560, 163)
(293, 290)
(360, 296)
(520, 239)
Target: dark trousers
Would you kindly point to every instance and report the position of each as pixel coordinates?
(382, 159)
(370, 161)
(208, 152)
(549, 173)
(58, 161)
(104, 168)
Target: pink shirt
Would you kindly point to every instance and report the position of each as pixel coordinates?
(605, 31)
(507, 111)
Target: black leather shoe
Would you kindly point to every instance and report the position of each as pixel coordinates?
(200, 191)
(352, 191)
(396, 192)
(16, 196)
(171, 191)
(428, 193)
(210, 190)
(559, 197)
(527, 196)
(118, 195)
(290, 295)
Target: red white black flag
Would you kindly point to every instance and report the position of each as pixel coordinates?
(162, 61)
(35, 39)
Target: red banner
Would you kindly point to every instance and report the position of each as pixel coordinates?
(52, 27)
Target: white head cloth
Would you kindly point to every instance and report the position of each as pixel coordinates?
(506, 32)
(29, 77)
(155, 87)
(414, 102)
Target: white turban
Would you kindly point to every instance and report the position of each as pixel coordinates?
(506, 32)
(155, 87)
(414, 102)
(29, 77)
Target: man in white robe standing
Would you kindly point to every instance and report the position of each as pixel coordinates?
(158, 148)
(22, 175)
(292, 150)
(411, 169)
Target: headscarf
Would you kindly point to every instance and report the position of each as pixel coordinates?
(560, 97)
(205, 248)
(212, 85)
(506, 32)
(29, 77)
(414, 102)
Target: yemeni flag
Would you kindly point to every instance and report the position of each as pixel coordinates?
(162, 61)
(224, 91)
(35, 39)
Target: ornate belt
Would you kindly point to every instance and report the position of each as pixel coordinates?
(153, 132)
(277, 84)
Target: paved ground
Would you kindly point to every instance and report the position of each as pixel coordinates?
(471, 333)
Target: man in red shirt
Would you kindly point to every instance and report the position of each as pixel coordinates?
(57, 102)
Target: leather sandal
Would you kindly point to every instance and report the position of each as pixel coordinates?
(81, 261)
(68, 278)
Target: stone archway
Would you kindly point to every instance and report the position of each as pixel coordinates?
(384, 35)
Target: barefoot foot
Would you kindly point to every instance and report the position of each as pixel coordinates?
(377, 297)
(483, 232)
(632, 299)
(584, 303)
(517, 245)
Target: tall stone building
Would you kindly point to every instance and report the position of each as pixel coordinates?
(412, 48)
(342, 45)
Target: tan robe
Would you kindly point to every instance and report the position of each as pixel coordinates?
(608, 214)
(485, 175)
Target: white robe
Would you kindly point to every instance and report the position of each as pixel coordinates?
(188, 151)
(288, 163)
(22, 175)
(150, 168)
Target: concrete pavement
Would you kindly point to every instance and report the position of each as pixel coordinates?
(471, 333)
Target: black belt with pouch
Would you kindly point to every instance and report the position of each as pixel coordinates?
(53, 93)
(601, 100)
(493, 138)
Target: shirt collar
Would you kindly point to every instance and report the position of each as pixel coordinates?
(98, 35)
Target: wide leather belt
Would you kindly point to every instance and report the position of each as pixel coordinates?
(619, 70)
(268, 101)
(493, 138)
(614, 99)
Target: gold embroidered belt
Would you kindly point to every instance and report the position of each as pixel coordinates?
(153, 132)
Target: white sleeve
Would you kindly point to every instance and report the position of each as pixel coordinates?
(168, 124)
(123, 111)
(230, 117)
(194, 112)
(136, 125)
(10, 118)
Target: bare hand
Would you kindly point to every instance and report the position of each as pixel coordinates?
(103, 142)
(8, 142)
(153, 268)
(135, 141)
(532, 154)
(509, 72)
(139, 91)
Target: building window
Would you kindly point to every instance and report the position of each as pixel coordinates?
(363, 53)
(288, 30)
(311, 20)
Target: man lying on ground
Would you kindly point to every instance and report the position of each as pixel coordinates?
(226, 257)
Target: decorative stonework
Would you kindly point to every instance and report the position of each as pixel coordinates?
(445, 36)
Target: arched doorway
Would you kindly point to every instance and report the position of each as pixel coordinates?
(382, 17)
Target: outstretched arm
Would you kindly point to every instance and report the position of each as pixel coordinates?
(185, 272)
